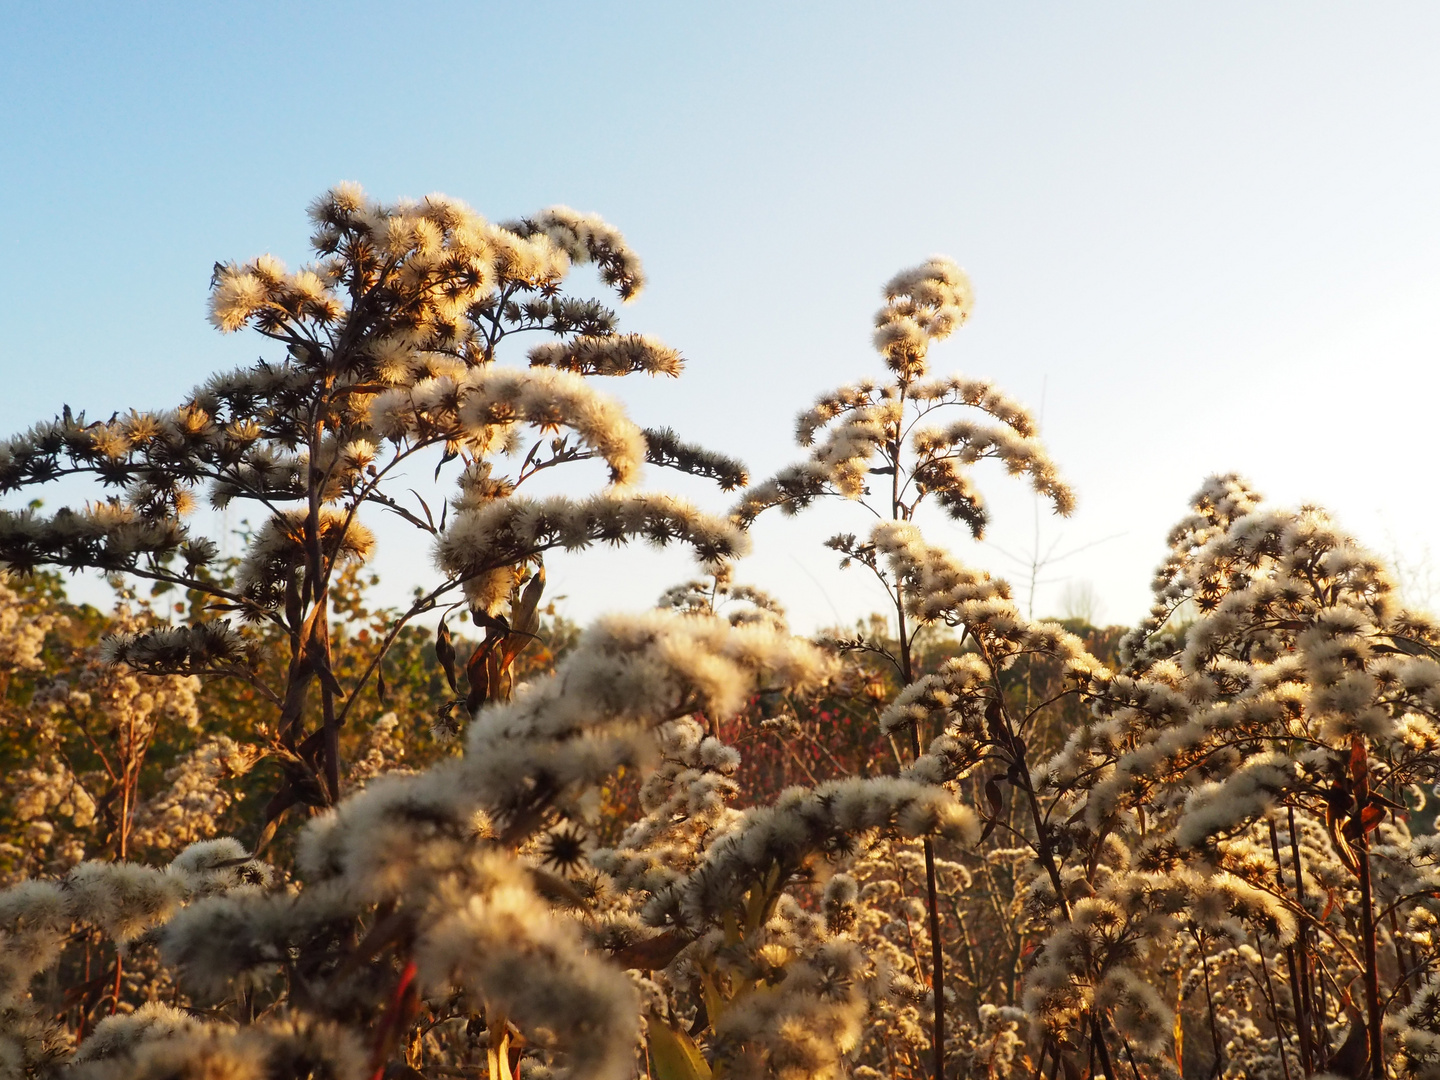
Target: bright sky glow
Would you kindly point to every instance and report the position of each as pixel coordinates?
(1205, 237)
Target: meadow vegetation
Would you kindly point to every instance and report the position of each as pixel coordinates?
(254, 824)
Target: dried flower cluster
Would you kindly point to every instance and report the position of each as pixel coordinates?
(982, 845)
(390, 346)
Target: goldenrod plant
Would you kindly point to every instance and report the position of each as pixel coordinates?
(261, 828)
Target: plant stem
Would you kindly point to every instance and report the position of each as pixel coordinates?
(1372, 967)
(932, 899)
(1316, 1020)
(1297, 995)
(1274, 1009)
(932, 890)
(1210, 1007)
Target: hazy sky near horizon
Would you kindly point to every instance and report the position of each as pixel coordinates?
(1203, 237)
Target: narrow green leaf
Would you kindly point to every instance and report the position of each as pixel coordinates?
(674, 1055)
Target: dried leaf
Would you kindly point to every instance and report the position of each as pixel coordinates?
(445, 653)
(1359, 762)
(477, 673)
(992, 794)
(526, 618)
(652, 953)
(451, 453)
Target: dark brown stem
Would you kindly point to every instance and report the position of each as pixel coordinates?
(1101, 1046)
(1210, 1007)
(1401, 960)
(1130, 1057)
(332, 745)
(1046, 853)
(1319, 1055)
(937, 951)
(932, 890)
(1274, 1006)
(319, 645)
(1040, 1061)
(1372, 966)
(1297, 1000)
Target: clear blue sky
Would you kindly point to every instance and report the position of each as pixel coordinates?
(1206, 235)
